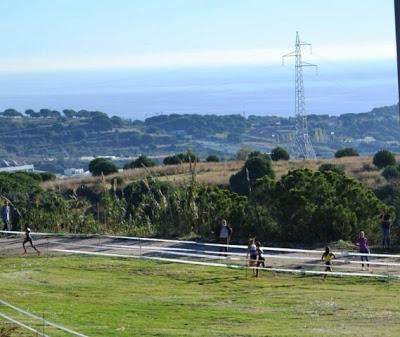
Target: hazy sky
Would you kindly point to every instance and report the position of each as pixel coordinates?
(86, 34)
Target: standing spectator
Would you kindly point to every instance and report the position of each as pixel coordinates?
(362, 244)
(5, 216)
(385, 225)
(225, 233)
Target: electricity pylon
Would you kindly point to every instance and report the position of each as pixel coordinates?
(302, 146)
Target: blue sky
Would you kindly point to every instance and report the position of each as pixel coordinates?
(101, 34)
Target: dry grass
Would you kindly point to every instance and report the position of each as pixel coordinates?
(219, 173)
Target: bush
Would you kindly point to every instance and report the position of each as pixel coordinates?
(320, 206)
(179, 158)
(140, 162)
(391, 172)
(331, 167)
(212, 158)
(384, 158)
(100, 166)
(253, 169)
(346, 152)
(279, 153)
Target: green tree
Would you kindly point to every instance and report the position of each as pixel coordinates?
(384, 158)
(391, 172)
(279, 153)
(212, 158)
(141, 161)
(100, 166)
(254, 168)
(320, 206)
(331, 167)
(346, 152)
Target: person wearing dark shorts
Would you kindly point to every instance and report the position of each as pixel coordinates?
(385, 225)
(28, 238)
(260, 257)
(327, 257)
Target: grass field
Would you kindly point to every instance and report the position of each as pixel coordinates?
(108, 297)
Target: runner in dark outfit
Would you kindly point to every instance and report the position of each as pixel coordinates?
(260, 257)
(28, 238)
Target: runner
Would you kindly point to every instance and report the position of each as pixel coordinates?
(260, 257)
(252, 254)
(224, 235)
(362, 244)
(328, 256)
(28, 238)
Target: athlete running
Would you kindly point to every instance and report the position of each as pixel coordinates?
(28, 238)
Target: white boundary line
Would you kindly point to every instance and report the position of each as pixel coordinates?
(22, 325)
(212, 264)
(135, 238)
(54, 325)
(217, 255)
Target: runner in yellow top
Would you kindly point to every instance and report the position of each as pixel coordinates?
(328, 256)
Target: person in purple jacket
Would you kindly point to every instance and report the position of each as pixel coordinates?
(362, 244)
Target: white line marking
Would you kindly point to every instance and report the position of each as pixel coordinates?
(54, 325)
(303, 271)
(135, 238)
(22, 325)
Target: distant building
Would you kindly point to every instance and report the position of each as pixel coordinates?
(70, 172)
(13, 166)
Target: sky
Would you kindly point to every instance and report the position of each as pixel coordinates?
(53, 35)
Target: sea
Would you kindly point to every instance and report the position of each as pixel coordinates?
(333, 88)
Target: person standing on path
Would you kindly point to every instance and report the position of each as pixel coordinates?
(5, 216)
(385, 225)
(225, 233)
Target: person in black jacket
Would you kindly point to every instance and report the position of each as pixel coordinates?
(385, 225)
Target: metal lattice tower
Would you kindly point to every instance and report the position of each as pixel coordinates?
(302, 145)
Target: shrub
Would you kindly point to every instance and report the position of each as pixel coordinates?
(104, 166)
(279, 153)
(140, 162)
(212, 158)
(254, 168)
(391, 172)
(346, 152)
(384, 158)
(179, 158)
(320, 206)
(331, 167)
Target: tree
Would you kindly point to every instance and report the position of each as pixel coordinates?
(279, 153)
(243, 153)
(69, 113)
(100, 166)
(346, 152)
(140, 162)
(391, 172)
(320, 206)
(212, 158)
(384, 158)
(331, 167)
(179, 158)
(254, 168)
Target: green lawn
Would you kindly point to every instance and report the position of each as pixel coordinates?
(114, 297)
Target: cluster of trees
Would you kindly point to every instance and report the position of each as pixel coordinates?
(303, 206)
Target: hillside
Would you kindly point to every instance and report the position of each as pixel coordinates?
(53, 140)
(219, 173)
